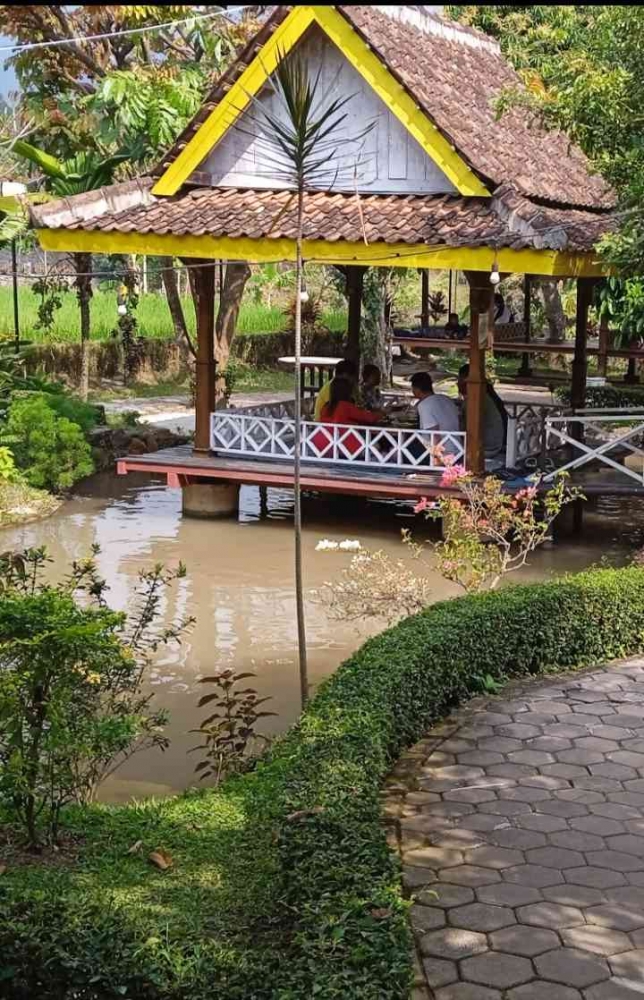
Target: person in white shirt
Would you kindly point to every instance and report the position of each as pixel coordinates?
(436, 412)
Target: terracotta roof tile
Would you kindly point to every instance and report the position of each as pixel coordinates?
(456, 75)
(507, 220)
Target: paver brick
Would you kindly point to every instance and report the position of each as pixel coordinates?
(445, 895)
(439, 972)
(616, 916)
(521, 840)
(453, 943)
(538, 990)
(552, 915)
(572, 967)
(598, 940)
(468, 991)
(629, 964)
(554, 857)
(576, 840)
(597, 878)
(493, 857)
(509, 894)
(525, 941)
(471, 875)
(498, 970)
(574, 895)
(599, 825)
(537, 876)
(617, 861)
(482, 917)
(427, 918)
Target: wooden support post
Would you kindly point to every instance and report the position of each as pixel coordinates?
(355, 279)
(604, 336)
(580, 360)
(481, 301)
(204, 278)
(424, 298)
(525, 368)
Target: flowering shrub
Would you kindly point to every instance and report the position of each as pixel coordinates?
(487, 533)
(72, 708)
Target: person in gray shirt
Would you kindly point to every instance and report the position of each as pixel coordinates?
(495, 418)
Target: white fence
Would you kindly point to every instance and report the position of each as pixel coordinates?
(592, 434)
(529, 434)
(252, 435)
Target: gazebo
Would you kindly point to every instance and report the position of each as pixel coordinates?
(444, 182)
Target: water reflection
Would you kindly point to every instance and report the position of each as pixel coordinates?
(239, 587)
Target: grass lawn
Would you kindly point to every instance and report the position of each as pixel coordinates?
(194, 923)
(249, 380)
(152, 314)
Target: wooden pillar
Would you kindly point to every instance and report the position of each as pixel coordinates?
(604, 335)
(481, 301)
(424, 297)
(204, 278)
(580, 360)
(525, 368)
(355, 279)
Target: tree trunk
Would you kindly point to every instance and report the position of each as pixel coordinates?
(232, 293)
(376, 331)
(83, 267)
(169, 278)
(555, 316)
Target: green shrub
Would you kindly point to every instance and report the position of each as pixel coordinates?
(606, 396)
(334, 924)
(86, 415)
(8, 471)
(50, 449)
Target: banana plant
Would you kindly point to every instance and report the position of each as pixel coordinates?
(86, 171)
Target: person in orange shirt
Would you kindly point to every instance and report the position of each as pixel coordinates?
(340, 409)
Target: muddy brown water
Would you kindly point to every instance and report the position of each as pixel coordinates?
(239, 586)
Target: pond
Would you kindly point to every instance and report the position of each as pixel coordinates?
(239, 586)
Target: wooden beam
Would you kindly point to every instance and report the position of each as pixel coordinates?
(604, 338)
(204, 279)
(580, 359)
(355, 282)
(424, 298)
(481, 304)
(525, 368)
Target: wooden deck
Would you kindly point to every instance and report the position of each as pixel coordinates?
(182, 465)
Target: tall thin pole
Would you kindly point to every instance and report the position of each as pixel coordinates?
(449, 294)
(16, 311)
(299, 584)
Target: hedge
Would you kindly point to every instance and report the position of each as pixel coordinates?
(607, 396)
(335, 925)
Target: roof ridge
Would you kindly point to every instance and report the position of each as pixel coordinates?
(432, 23)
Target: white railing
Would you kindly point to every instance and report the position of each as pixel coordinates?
(251, 435)
(528, 431)
(594, 427)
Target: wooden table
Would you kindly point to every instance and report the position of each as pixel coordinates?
(316, 370)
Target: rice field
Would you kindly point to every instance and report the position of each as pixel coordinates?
(152, 314)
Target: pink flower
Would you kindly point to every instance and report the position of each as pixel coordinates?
(421, 505)
(449, 460)
(452, 474)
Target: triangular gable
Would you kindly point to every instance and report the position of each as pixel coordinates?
(283, 39)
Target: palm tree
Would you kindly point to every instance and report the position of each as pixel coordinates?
(299, 143)
(84, 172)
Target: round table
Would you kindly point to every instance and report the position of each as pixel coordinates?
(316, 370)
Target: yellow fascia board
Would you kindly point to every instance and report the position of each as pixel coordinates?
(549, 263)
(285, 36)
(363, 59)
(394, 95)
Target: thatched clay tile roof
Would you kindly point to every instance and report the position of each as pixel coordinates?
(456, 75)
(508, 220)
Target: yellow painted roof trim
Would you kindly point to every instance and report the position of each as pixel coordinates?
(362, 58)
(549, 263)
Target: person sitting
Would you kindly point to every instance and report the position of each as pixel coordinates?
(495, 418)
(370, 394)
(340, 409)
(436, 412)
(502, 314)
(454, 328)
(344, 369)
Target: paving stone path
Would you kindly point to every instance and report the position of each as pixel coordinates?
(520, 822)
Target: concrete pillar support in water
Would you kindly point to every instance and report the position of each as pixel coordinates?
(208, 499)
